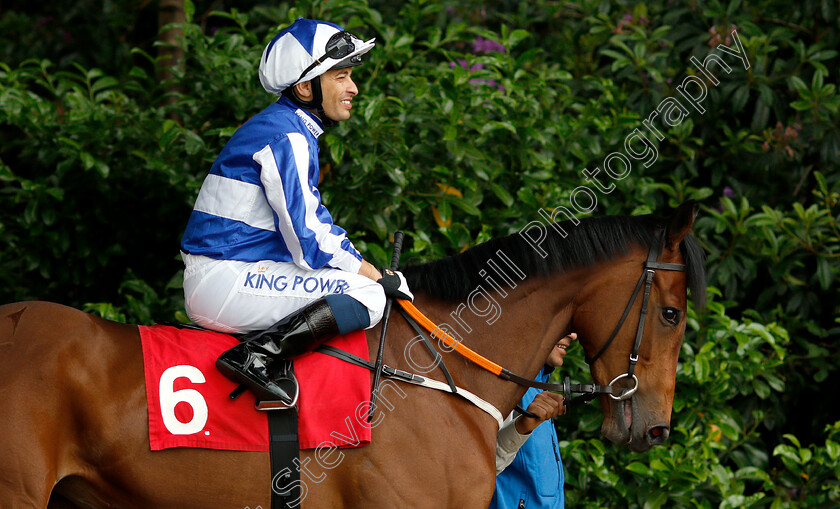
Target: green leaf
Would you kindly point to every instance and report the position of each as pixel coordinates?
(729, 427)
(189, 10)
(502, 194)
(638, 467)
(87, 160)
(656, 500)
(377, 254)
(516, 37)
(833, 449)
(463, 204)
(739, 98)
(788, 452)
(801, 105)
(450, 132)
(754, 473)
(825, 272)
(797, 83)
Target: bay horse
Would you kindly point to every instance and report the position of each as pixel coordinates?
(74, 429)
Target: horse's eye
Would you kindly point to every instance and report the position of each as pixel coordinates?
(671, 315)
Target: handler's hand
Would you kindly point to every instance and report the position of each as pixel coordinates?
(547, 405)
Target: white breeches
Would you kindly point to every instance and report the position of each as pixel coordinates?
(233, 296)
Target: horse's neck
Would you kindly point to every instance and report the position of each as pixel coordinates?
(516, 330)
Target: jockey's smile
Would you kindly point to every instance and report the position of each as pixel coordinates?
(338, 90)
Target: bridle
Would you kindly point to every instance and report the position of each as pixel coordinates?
(647, 278)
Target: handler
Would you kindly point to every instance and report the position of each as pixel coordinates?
(528, 465)
(261, 252)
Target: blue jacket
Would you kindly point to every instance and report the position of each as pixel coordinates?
(261, 201)
(535, 477)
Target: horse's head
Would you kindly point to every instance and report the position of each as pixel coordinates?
(642, 419)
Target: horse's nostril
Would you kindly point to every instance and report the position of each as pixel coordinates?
(658, 434)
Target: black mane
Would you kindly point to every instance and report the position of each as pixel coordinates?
(593, 240)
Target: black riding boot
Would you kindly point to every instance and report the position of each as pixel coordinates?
(249, 363)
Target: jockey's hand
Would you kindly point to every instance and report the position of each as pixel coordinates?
(547, 405)
(395, 285)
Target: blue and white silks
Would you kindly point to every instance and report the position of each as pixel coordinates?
(259, 244)
(261, 201)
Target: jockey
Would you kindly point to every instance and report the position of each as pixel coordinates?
(261, 252)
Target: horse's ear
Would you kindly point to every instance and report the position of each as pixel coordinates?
(681, 222)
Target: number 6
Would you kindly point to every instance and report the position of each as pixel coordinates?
(169, 398)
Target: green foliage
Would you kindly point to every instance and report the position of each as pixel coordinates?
(728, 385)
(471, 118)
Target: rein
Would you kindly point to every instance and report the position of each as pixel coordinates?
(588, 391)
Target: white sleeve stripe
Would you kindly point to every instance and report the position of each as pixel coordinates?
(236, 200)
(346, 261)
(270, 177)
(327, 241)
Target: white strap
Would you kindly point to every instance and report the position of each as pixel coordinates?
(472, 398)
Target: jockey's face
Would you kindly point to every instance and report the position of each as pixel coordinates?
(338, 90)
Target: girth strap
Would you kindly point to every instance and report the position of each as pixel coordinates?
(284, 449)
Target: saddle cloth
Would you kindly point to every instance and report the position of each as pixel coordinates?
(188, 403)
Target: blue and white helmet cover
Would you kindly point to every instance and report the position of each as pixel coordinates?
(296, 47)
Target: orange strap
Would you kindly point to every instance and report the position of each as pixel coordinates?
(450, 342)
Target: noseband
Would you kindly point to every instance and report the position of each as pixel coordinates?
(647, 278)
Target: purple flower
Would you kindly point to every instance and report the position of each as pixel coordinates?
(476, 67)
(491, 83)
(482, 45)
(728, 192)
